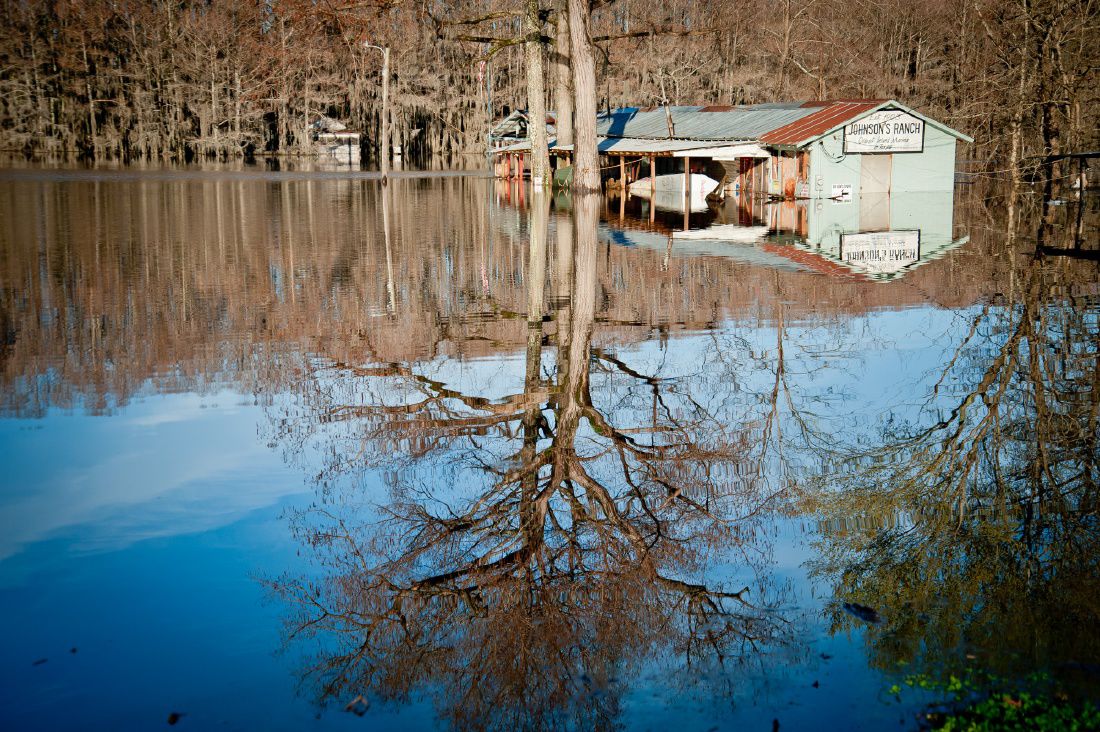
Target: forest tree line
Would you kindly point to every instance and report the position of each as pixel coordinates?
(138, 80)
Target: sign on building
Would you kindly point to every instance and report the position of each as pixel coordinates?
(842, 192)
(885, 131)
(880, 252)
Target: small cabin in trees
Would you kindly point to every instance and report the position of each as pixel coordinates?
(509, 143)
(333, 139)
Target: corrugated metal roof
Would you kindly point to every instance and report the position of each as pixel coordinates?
(636, 146)
(646, 132)
(701, 123)
(820, 121)
(726, 152)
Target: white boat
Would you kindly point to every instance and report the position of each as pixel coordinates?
(725, 233)
(670, 191)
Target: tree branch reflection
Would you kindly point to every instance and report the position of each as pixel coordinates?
(975, 526)
(536, 549)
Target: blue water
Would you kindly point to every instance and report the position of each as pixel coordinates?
(174, 386)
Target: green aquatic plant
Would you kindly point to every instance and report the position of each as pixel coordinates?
(978, 701)
(1022, 711)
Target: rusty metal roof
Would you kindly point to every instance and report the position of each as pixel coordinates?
(819, 122)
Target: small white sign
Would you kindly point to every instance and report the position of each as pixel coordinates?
(842, 192)
(880, 252)
(885, 131)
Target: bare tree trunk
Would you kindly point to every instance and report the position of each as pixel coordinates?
(785, 56)
(1015, 137)
(536, 97)
(385, 112)
(586, 159)
(563, 86)
(93, 133)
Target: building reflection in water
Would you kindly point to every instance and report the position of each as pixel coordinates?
(876, 237)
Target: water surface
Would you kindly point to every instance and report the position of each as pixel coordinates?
(305, 450)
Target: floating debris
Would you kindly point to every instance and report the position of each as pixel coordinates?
(864, 613)
(40, 661)
(175, 717)
(357, 706)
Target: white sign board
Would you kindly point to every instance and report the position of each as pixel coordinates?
(880, 252)
(842, 192)
(885, 131)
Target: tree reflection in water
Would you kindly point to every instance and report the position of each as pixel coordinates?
(536, 551)
(974, 526)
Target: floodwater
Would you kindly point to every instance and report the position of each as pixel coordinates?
(309, 452)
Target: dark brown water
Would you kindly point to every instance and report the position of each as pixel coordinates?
(443, 453)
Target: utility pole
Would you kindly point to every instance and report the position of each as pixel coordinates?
(385, 161)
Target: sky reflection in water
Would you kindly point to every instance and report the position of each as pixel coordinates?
(238, 408)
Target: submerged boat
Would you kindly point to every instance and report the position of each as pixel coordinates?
(670, 191)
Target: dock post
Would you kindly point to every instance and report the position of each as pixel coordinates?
(687, 193)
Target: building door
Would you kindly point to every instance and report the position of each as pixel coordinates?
(874, 175)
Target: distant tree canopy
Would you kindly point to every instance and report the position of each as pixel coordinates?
(226, 78)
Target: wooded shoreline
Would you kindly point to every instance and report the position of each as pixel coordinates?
(225, 79)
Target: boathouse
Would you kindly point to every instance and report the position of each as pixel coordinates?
(827, 149)
(333, 139)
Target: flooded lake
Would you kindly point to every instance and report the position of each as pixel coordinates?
(303, 451)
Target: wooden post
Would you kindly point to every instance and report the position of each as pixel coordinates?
(622, 173)
(687, 192)
(652, 188)
(1082, 184)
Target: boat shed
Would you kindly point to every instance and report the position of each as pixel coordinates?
(828, 149)
(333, 139)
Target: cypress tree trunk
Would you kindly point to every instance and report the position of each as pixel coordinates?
(563, 83)
(536, 97)
(586, 159)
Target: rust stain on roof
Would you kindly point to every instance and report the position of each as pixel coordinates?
(812, 125)
(716, 108)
